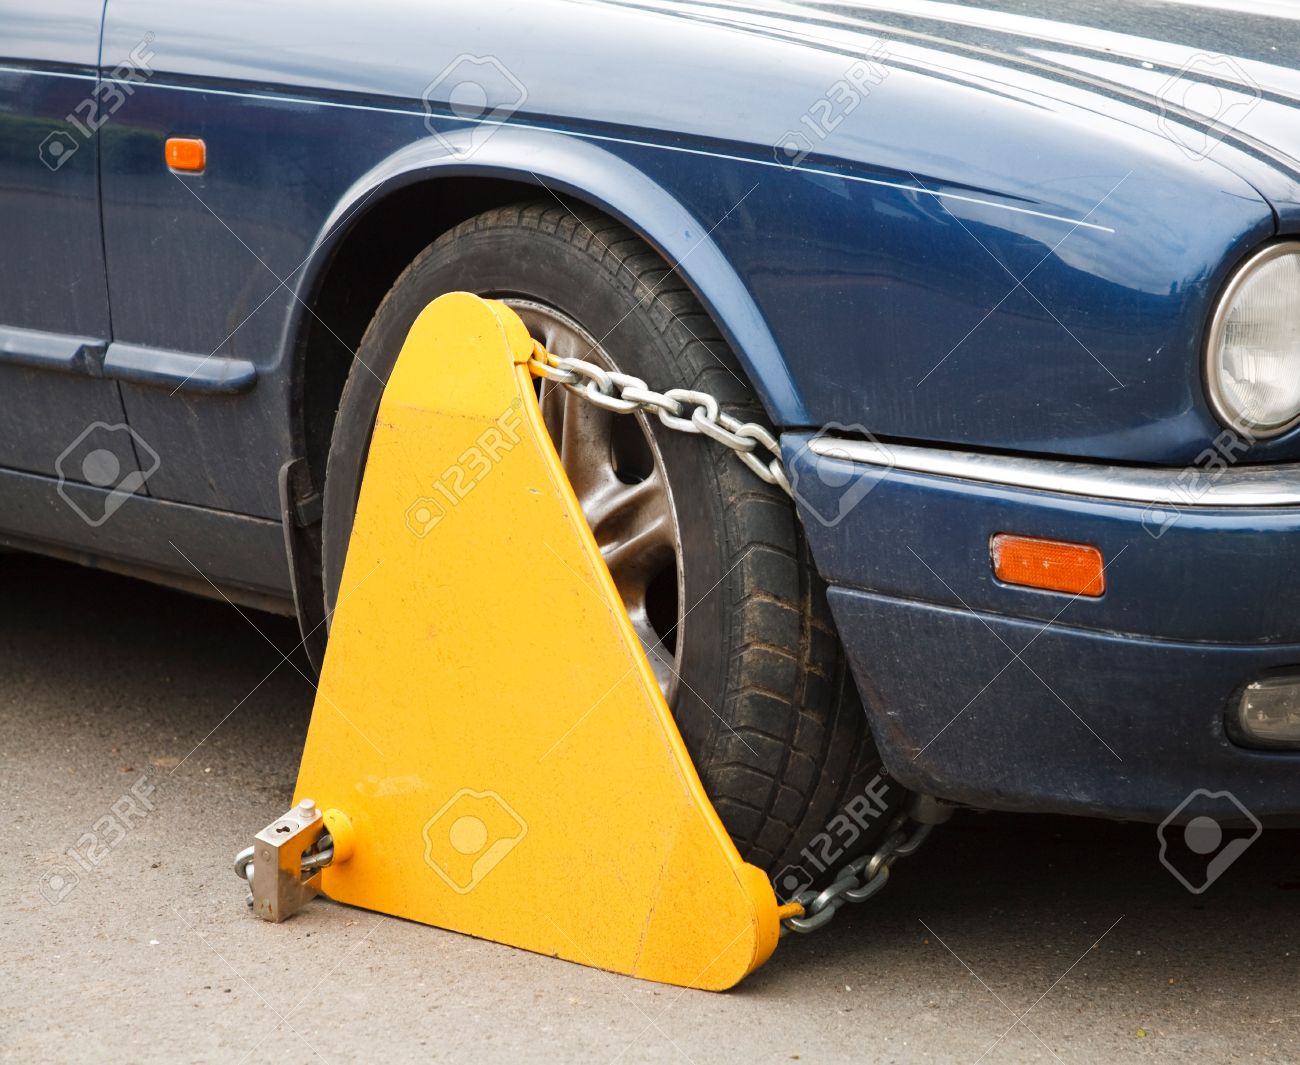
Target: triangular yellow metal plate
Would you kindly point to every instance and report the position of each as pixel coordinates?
(486, 716)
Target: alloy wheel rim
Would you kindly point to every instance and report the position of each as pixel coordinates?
(615, 466)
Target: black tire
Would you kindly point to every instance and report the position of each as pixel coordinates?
(766, 705)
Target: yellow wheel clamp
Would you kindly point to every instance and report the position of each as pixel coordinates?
(473, 772)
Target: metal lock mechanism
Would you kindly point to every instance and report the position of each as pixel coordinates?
(283, 865)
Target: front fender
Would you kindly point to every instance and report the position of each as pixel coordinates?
(557, 164)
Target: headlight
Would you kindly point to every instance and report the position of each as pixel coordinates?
(1253, 356)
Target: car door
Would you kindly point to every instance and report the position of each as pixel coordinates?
(196, 253)
(59, 416)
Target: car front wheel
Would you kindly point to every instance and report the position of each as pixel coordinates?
(710, 561)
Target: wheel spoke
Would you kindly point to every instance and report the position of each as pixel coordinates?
(660, 657)
(634, 528)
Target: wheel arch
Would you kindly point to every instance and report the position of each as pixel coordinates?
(369, 239)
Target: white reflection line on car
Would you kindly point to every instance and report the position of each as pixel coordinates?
(607, 139)
(1020, 283)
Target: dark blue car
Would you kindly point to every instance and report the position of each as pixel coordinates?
(1016, 283)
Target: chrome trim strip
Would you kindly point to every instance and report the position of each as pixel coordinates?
(180, 371)
(1241, 486)
(40, 350)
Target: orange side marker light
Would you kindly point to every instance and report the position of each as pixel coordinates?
(185, 153)
(1052, 565)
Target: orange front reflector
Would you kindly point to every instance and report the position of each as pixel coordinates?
(1052, 565)
(185, 153)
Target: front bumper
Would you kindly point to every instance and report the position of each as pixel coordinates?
(1015, 699)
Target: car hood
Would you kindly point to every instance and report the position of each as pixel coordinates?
(1219, 79)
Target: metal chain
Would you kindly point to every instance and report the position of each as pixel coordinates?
(859, 880)
(683, 409)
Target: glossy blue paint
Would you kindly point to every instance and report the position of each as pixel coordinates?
(588, 170)
(1014, 698)
(880, 276)
(1198, 575)
(1007, 714)
(61, 35)
(1011, 241)
(53, 302)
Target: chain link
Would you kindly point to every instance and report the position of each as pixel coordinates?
(683, 409)
(859, 880)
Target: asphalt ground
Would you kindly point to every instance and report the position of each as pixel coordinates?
(1006, 939)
